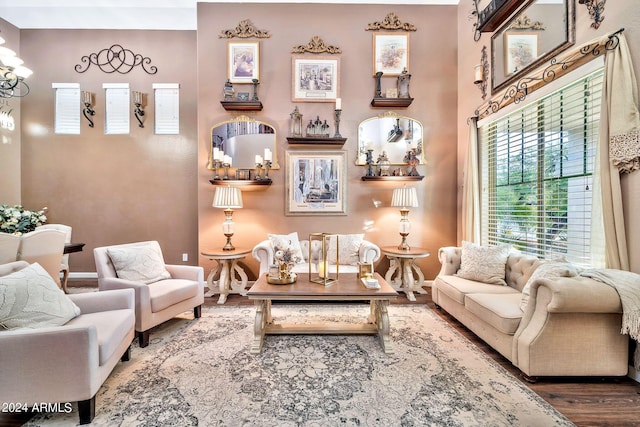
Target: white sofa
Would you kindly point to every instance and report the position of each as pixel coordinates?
(570, 325)
(263, 253)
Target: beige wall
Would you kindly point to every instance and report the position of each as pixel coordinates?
(433, 50)
(10, 140)
(618, 14)
(112, 188)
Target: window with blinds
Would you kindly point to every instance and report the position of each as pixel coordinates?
(117, 108)
(67, 111)
(536, 169)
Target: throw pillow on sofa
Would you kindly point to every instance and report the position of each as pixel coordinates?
(282, 242)
(29, 298)
(348, 249)
(143, 263)
(483, 263)
(548, 270)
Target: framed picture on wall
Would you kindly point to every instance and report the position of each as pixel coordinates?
(390, 53)
(243, 60)
(316, 183)
(315, 79)
(521, 49)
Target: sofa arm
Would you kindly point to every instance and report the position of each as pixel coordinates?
(369, 252)
(40, 358)
(449, 257)
(263, 253)
(187, 272)
(575, 295)
(95, 302)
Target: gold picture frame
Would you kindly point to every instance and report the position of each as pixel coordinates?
(243, 61)
(315, 79)
(390, 53)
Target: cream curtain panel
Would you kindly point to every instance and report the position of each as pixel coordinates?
(471, 188)
(618, 152)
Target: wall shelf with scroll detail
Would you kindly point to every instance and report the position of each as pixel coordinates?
(242, 183)
(242, 105)
(393, 178)
(315, 140)
(391, 102)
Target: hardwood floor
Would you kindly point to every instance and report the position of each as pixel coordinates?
(586, 401)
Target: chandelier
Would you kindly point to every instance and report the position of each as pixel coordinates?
(12, 74)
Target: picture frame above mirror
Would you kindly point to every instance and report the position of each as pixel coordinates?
(315, 79)
(243, 59)
(390, 53)
(529, 39)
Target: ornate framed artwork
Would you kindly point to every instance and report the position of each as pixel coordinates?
(390, 53)
(521, 50)
(316, 183)
(315, 79)
(243, 61)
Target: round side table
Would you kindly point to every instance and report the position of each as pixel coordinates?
(402, 265)
(228, 268)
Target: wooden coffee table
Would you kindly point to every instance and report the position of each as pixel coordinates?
(348, 288)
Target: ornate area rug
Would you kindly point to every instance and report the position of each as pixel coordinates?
(200, 372)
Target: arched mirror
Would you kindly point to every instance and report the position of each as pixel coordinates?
(243, 138)
(391, 133)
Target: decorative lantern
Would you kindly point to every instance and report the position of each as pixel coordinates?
(296, 123)
(322, 274)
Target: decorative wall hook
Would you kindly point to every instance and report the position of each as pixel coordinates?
(596, 10)
(87, 111)
(138, 98)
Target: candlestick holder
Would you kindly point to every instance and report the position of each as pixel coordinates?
(138, 112)
(267, 166)
(216, 167)
(337, 134)
(88, 111)
(257, 177)
(226, 167)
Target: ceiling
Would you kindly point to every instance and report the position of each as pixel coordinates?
(139, 15)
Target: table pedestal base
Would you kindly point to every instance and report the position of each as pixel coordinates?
(405, 281)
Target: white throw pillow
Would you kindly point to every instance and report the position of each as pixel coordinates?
(348, 249)
(29, 298)
(483, 263)
(282, 242)
(547, 270)
(140, 263)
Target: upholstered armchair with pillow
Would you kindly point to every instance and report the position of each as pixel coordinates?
(59, 348)
(352, 249)
(162, 291)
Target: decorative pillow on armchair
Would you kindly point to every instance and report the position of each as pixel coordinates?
(142, 263)
(548, 270)
(29, 298)
(483, 263)
(348, 249)
(289, 241)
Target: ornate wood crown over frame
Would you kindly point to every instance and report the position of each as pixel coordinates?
(523, 22)
(245, 29)
(391, 22)
(316, 45)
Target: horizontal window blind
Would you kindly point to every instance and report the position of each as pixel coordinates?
(67, 111)
(167, 107)
(117, 108)
(537, 168)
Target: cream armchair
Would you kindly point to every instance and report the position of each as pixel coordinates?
(67, 363)
(263, 253)
(180, 290)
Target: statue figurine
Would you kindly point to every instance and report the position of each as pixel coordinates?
(403, 84)
(228, 91)
(411, 158)
(378, 92)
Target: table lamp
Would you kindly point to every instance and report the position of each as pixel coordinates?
(228, 198)
(404, 198)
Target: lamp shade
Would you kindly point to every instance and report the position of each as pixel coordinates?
(227, 198)
(405, 197)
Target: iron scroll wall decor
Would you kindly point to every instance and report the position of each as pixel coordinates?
(557, 67)
(116, 59)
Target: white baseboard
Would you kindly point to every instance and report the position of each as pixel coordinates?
(83, 275)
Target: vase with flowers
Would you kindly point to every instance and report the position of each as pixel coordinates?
(285, 260)
(18, 220)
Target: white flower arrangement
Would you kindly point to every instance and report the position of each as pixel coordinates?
(17, 220)
(286, 257)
